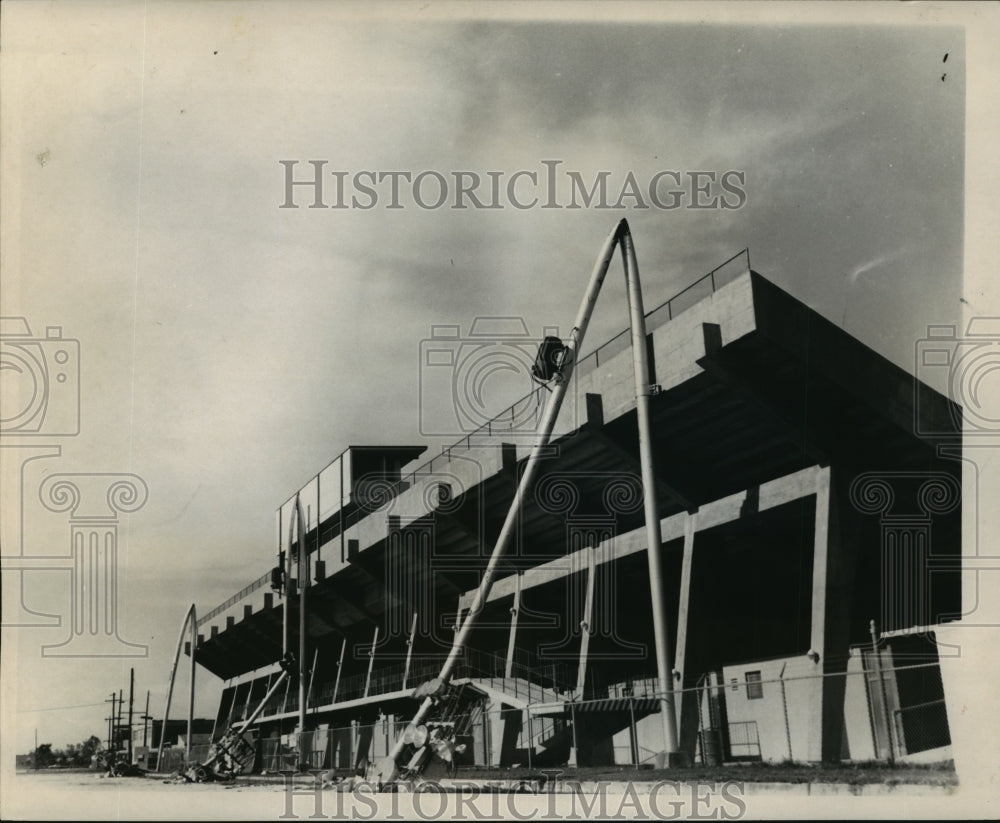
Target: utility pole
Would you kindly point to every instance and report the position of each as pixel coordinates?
(111, 723)
(145, 719)
(131, 696)
(118, 720)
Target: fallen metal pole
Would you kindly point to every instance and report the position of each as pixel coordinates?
(256, 713)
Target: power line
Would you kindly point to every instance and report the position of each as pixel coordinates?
(60, 708)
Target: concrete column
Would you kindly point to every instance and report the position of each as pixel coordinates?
(481, 754)
(687, 705)
(366, 733)
(341, 748)
(817, 633)
(514, 609)
(495, 734)
(572, 761)
(513, 720)
(834, 552)
(585, 624)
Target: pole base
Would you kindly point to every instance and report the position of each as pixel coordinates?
(672, 760)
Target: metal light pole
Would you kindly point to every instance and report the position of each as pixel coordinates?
(620, 235)
(190, 619)
(302, 586)
(654, 541)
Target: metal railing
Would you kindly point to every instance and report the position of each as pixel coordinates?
(246, 591)
(703, 287)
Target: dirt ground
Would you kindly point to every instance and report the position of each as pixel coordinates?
(772, 792)
(855, 774)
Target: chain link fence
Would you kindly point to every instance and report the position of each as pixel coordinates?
(766, 711)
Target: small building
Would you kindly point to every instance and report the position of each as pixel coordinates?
(146, 742)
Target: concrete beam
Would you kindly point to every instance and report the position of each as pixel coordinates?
(725, 510)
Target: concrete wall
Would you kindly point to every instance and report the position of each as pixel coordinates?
(676, 347)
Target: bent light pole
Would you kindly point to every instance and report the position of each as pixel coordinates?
(561, 378)
(190, 619)
(297, 523)
(643, 391)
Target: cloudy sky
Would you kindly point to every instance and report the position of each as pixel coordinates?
(230, 348)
